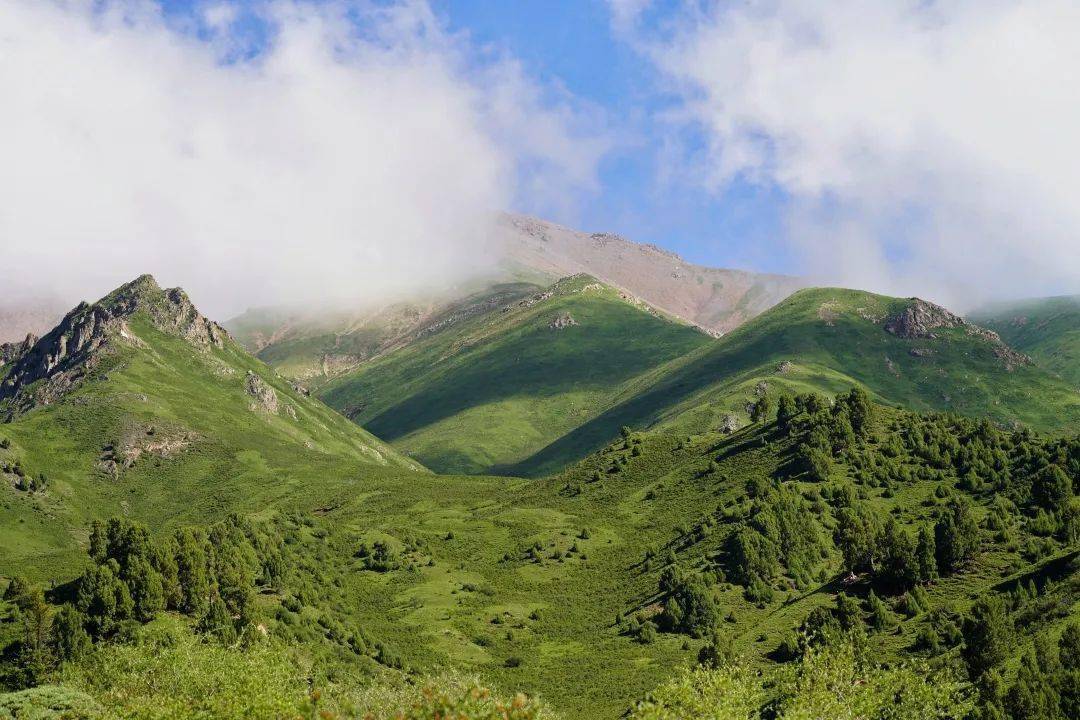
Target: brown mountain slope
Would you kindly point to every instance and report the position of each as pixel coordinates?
(714, 298)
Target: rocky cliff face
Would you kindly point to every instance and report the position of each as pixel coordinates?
(42, 371)
(10, 352)
(920, 319)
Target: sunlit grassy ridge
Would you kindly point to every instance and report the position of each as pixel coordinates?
(490, 392)
(827, 339)
(1048, 329)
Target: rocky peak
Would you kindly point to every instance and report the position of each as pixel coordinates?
(920, 319)
(171, 310)
(48, 368)
(10, 352)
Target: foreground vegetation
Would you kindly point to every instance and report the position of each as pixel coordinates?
(839, 530)
(825, 555)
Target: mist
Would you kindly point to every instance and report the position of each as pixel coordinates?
(922, 147)
(353, 151)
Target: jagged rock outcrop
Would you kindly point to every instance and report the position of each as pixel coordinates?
(61, 359)
(562, 320)
(10, 352)
(171, 310)
(920, 319)
(265, 397)
(729, 424)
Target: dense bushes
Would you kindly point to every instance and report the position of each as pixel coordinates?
(831, 681)
(210, 576)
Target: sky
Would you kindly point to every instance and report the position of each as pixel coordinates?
(269, 151)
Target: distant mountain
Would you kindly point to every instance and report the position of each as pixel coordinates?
(140, 398)
(713, 298)
(314, 345)
(489, 390)
(506, 392)
(1048, 329)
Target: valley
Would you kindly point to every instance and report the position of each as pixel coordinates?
(691, 497)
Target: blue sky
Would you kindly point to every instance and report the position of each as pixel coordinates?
(890, 146)
(570, 46)
(572, 43)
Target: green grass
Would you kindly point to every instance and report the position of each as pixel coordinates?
(833, 339)
(233, 455)
(470, 593)
(1047, 329)
(491, 392)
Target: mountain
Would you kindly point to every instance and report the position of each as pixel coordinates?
(317, 344)
(138, 399)
(713, 298)
(507, 393)
(1047, 329)
(906, 352)
(314, 345)
(828, 521)
(490, 390)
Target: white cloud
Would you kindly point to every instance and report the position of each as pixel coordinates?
(361, 152)
(926, 147)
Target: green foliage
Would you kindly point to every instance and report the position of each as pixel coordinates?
(829, 682)
(988, 635)
(48, 702)
(1051, 487)
(856, 535)
(956, 535)
(69, 637)
(760, 409)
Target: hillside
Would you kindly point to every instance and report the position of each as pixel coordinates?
(317, 344)
(314, 346)
(492, 390)
(1047, 329)
(137, 400)
(592, 588)
(825, 340)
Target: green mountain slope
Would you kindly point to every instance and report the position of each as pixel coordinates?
(494, 389)
(138, 400)
(1047, 329)
(548, 586)
(314, 346)
(828, 339)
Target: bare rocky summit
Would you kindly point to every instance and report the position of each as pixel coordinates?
(715, 299)
(43, 371)
(920, 319)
